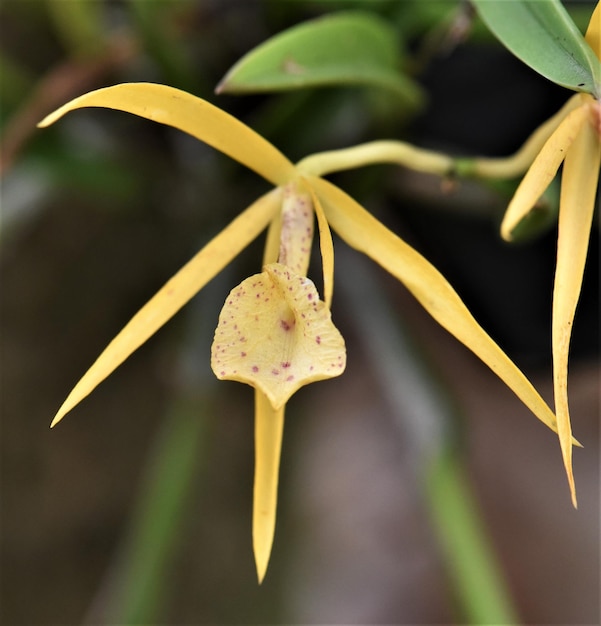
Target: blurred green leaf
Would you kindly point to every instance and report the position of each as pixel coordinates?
(542, 35)
(341, 49)
(160, 26)
(80, 26)
(15, 83)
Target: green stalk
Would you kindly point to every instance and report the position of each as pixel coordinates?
(469, 556)
(143, 578)
(137, 587)
(426, 417)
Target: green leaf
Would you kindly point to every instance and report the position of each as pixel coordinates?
(80, 26)
(542, 35)
(341, 49)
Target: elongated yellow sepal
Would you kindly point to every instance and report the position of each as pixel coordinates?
(276, 335)
(269, 428)
(326, 247)
(577, 203)
(363, 232)
(191, 115)
(593, 32)
(175, 293)
(544, 167)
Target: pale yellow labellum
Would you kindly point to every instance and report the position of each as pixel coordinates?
(275, 334)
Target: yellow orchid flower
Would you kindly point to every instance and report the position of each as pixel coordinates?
(575, 142)
(274, 332)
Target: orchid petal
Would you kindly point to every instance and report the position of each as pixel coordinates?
(276, 335)
(578, 188)
(363, 232)
(269, 428)
(593, 32)
(175, 293)
(516, 164)
(191, 115)
(327, 250)
(543, 169)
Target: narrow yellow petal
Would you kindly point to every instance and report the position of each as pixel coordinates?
(593, 32)
(269, 428)
(543, 169)
(272, 241)
(363, 232)
(175, 293)
(516, 164)
(276, 335)
(327, 250)
(578, 189)
(191, 115)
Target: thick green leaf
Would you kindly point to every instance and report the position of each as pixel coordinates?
(341, 49)
(542, 34)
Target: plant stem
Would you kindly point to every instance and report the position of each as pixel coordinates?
(465, 544)
(425, 415)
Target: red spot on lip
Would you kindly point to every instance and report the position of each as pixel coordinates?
(255, 369)
(275, 372)
(242, 354)
(285, 325)
(290, 378)
(318, 339)
(286, 364)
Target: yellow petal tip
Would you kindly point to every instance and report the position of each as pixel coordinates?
(261, 571)
(57, 418)
(50, 118)
(507, 230)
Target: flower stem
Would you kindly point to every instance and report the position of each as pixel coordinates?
(135, 590)
(464, 542)
(431, 162)
(425, 416)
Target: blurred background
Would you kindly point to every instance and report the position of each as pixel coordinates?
(137, 507)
